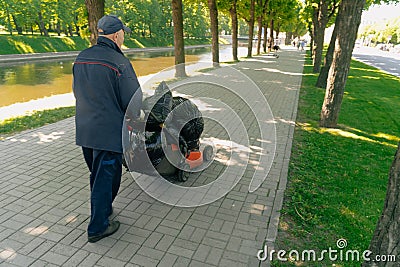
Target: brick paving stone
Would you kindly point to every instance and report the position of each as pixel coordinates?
(179, 251)
(54, 258)
(45, 196)
(153, 240)
(165, 242)
(202, 253)
(20, 260)
(182, 262)
(151, 253)
(198, 235)
(76, 259)
(90, 260)
(214, 256)
(186, 232)
(128, 252)
(144, 261)
(109, 262)
(32, 245)
(194, 263)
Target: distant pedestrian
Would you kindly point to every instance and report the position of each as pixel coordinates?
(104, 82)
(302, 43)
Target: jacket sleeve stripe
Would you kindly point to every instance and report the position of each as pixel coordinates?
(99, 63)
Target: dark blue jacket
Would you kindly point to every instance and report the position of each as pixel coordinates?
(104, 82)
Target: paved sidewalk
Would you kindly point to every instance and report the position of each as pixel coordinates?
(45, 195)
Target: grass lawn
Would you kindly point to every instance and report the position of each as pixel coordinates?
(22, 44)
(338, 177)
(36, 119)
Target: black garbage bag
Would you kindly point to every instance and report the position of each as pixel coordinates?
(157, 107)
(187, 117)
(184, 127)
(154, 147)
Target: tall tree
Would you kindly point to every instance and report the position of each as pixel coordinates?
(319, 19)
(212, 6)
(179, 45)
(95, 9)
(41, 24)
(231, 7)
(323, 75)
(251, 28)
(265, 41)
(323, 11)
(271, 34)
(234, 18)
(6, 6)
(385, 240)
(349, 20)
(262, 9)
(293, 21)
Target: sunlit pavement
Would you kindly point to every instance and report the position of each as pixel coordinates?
(45, 195)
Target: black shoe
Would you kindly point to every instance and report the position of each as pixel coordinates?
(112, 228)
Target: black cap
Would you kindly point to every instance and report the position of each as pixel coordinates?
(109, 24)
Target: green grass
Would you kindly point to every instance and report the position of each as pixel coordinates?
(17, 44)
(21, 44)
(338, 177)
(36, 119)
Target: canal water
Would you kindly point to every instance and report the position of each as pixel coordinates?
(44, 85)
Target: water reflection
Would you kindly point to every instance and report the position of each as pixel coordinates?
(36, 80)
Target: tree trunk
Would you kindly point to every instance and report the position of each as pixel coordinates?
(58, 28)
(71, 33)
(271, 35)
(259, 34)
(319, 34)
(234, 18)
(311, 31)
(265, 38)
(179, 45)
(77, 30)
(212, 6)
(42, 26)
(385, 240)
(17, 26)
(8, 15)
(350, 18)
(289, 38)
(95, 9)
(278, 30)
(251, 29)
(323, 75)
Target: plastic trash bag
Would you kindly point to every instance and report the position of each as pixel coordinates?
(187, 117)
(154, 147)
(158, 106)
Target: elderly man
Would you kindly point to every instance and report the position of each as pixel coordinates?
(104, 82)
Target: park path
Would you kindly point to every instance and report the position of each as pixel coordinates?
(45, 196)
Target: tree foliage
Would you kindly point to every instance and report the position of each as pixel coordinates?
(146, 18)
(382, 32)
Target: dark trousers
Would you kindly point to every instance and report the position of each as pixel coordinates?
(105, 178)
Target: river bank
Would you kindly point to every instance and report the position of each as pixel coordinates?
(32, 44)
(19, 84)
(15, 58)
